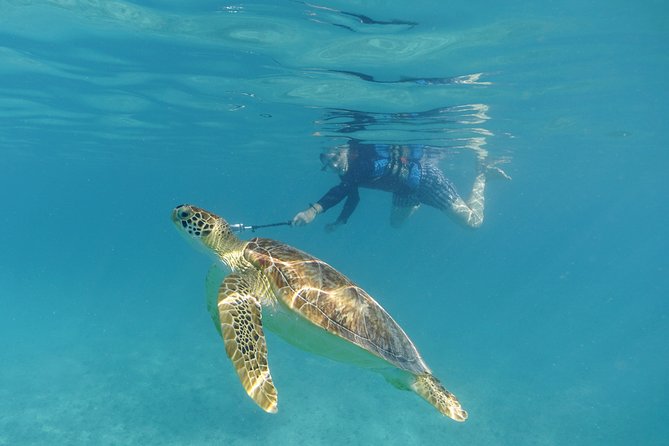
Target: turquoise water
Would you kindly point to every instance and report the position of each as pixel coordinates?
(550, 323)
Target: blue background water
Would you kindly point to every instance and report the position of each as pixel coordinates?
(549, 322)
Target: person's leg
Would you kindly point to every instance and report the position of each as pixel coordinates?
(471, 212)
(403, 207)
(437, 191)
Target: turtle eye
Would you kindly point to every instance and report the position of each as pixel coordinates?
(184, 213)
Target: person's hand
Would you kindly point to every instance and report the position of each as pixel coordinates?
(307, 216)
(331, 227)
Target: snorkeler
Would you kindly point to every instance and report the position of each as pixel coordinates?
(407, 172)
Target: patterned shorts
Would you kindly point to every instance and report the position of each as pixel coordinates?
(434, 190)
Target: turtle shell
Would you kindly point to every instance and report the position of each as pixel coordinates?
(328, 299)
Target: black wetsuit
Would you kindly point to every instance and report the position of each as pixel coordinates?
(400, 169)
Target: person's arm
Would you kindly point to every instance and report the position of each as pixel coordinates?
(331, 198)
(349, 206)
(334, 195)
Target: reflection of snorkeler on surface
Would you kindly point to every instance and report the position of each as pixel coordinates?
(436, 120)
(474, 78)
(404, 170)
(404, 79)
(326, 14)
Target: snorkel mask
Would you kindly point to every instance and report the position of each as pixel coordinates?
(335, 159)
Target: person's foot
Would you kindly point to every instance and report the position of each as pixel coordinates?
(492, 167)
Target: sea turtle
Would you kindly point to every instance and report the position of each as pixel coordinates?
(310, 304)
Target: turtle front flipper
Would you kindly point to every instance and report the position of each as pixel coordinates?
(429, 387)
(215, 276)
(240, 314)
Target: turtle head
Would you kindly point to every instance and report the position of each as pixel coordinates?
(202, 226)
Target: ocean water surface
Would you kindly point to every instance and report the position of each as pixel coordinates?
(550, 322)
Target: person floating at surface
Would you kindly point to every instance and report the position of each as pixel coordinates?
(407, 172)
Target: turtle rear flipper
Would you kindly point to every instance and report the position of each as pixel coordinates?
(429, 387)
(240, 314)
